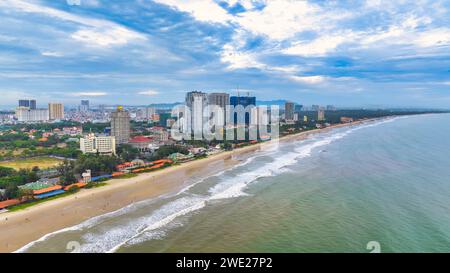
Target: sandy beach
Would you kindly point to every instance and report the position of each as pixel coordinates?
(22, 227)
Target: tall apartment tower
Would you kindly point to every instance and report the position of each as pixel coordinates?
(33, 104)
(24, 103)
(120, 125)
(196, 102)
(219, 99)
(55, 111)
(149, 113)
(289, 111)
(222, 100)
(321, 115)
(84, 107)
(245, 102)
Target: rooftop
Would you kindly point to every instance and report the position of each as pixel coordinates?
(140, 139)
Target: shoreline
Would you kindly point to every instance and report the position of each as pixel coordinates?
(19, 228)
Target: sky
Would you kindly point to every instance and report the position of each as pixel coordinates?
(346, 53)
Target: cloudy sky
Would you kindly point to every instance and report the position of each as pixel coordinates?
(347, 53)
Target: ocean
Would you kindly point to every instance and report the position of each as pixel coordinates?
(386, 182)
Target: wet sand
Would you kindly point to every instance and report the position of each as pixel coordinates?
(22, 227)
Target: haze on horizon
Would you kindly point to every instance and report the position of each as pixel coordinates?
(346, 53)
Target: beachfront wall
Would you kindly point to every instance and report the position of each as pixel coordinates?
(9, 203)
(106, 176)
(49, 194)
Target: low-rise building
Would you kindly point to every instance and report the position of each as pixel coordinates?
(179, 157)
(87, 176)
(346, 119)
(69, 131)
(92, 144)
(140, 142)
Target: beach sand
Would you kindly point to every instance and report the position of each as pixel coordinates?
(22, 227)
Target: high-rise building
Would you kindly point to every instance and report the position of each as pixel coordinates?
(25, 114)
(24, 103)
(315, 107)
(28, 103)
(289, 111)
(84, 107)
(33, 104)
(244, 102)
(219, 99)
(120, 125)
(196, 102)
(321, 115)
(91, 144)
(331, 108)
(222, 100)
(149, 112)
(298, 108)
(56, 111)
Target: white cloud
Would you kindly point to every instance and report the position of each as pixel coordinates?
(201, 10)
(247, 4)
(320, 46)
(235, 57)
(51, 54)
(309, 79)
(105, 37)
(149, 93)
(89, 94)
(93, 32)
(281, 19)
(239, 59)
(434, 37)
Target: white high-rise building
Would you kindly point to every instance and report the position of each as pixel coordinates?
(197, 102)
(92, 144)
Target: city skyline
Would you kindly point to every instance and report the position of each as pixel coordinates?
(311, 52)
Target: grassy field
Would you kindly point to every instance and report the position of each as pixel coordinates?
(41, 162)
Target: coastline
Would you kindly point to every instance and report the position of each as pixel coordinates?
(22, 227)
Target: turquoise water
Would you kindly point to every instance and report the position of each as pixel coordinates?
(386, 181)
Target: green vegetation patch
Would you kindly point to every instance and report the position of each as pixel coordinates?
(29, 163)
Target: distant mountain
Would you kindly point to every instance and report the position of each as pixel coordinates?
(271, 102)
(165, 105)
(156, 105)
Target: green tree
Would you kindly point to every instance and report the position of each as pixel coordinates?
(66, 170)
(127, 152)
(5, 171)
(12, 191)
